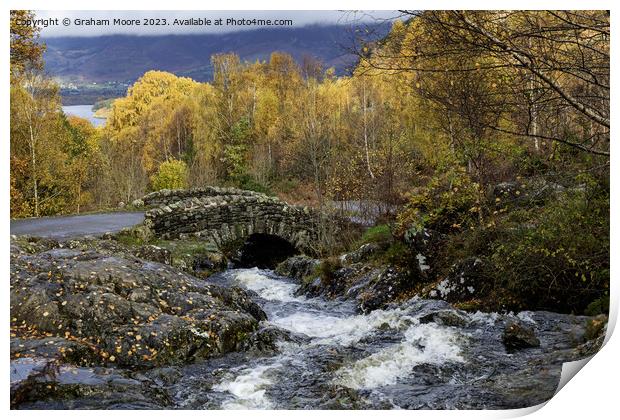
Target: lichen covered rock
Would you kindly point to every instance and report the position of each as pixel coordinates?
(124, 311)
(465, 281)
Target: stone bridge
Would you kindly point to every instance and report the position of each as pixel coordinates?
(223, 216)
(165, 196)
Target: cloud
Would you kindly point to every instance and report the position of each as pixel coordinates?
(96, 22)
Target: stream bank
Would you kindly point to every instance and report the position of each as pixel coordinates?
(251, 338)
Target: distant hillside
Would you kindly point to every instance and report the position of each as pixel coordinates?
(125, 58)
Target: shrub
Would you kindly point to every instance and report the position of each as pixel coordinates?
(598, 306)
(399, 255)
(247, 182)
(328, 268)
(449, 202)
(557, 257)
(171, 174)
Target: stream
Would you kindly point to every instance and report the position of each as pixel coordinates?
(389, 359)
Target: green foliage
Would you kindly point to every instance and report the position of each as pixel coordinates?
(450, 202)
(380, 233)
(328, 268)
(474, 242)
(598, 306)
(171, 174)
(129, 239)
(247, 182)
(236, 150)
(398, 254)
(557, 257)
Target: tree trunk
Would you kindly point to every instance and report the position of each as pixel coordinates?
(33, 157)
(372, 176)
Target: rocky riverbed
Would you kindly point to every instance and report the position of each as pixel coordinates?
(96, 324)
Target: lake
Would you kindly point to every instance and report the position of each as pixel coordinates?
(84, 111)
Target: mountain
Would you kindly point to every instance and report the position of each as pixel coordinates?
(124, 58)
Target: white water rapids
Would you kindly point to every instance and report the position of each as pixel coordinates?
(334, 325)
(419, 354)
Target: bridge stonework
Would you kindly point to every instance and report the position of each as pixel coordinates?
(230, 217)
(165, 196)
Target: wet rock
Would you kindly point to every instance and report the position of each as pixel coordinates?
(466, 280)
(165, 376)
(594, 336)
(266, 339)
(311, 288)
(336, 284)
(383, 289)
(447, 317)
(531, 385)
(41, 384)
(22, 372)
(51, 348)
(126, 311)
(362, 281)
(298, 267)
(592, 345)
(331, 284)
(240, 298)
(197, 262)
(517, 336)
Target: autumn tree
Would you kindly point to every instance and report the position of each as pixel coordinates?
(555, 62)
(26, 51)
(171, 174)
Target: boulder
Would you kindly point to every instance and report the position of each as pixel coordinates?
(383, 289)
(425, 244)
(448, 318)
(466, 280)
(363, 253)
(267, 339)
(298, 267)
(518, 336)
(332, 282)
(125, 311)
(38, 383)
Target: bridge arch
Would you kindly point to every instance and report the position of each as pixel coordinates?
(225, 219)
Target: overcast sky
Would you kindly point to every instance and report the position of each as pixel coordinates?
(300, 18)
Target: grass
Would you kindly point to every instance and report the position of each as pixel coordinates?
(379, 233)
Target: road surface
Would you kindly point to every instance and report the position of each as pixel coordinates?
(68, 227)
